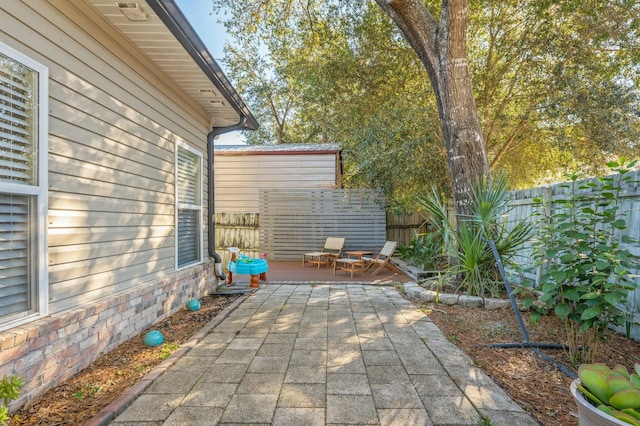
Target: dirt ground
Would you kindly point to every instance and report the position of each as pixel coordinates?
(537, 385)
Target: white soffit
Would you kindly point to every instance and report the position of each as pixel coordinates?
(152, 37)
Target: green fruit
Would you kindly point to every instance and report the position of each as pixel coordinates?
(596, 383)
(620, 370)
(617, 384)
(637, 368)
(629, 398)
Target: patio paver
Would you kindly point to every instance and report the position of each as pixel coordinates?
(324, 354)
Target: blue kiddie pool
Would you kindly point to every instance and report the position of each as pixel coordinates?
(257, 268)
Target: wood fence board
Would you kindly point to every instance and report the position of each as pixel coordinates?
(523, 207)
(297, 220)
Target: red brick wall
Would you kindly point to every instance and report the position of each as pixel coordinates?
(48, 351)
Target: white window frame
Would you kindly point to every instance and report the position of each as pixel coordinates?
(194, 207)
(40, 303)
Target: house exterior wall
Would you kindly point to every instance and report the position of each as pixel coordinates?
(48, 351)
(114, 123)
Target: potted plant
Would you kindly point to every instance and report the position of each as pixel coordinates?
(607, 396)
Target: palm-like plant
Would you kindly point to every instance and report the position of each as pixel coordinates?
(468, 235)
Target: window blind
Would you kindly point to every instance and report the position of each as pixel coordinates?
(189, 207)
(15, 243)
(188, 237)
(188, 182)
(17, 111)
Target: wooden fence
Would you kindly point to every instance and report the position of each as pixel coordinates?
(403, 227)
(237, 230)
(293, 221)
(523, 206)
(629, 202)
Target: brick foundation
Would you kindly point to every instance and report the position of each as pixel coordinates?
(48, 351)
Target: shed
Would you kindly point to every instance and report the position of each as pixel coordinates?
(108, 112)
(285, 199)
(242, 171)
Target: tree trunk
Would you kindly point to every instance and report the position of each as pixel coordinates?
(441, 46)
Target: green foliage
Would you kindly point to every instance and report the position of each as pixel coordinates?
(87, 391)
(474, 260)
(555, 83)
(9, 390)
(423, 250)
(585, 277)
(168, 349)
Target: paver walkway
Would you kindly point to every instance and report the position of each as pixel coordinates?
(324, 354)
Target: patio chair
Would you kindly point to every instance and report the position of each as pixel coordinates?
(382, 259)
(332, 249)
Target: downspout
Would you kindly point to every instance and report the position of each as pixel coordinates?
(215, 132)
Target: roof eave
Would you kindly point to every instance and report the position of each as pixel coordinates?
(177, 23)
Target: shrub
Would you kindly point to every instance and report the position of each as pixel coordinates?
(423, 251)
(585, 277)
(9, 389)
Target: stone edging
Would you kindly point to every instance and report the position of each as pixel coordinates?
(416, 292)
(108, 413)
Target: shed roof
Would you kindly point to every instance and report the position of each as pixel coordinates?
(159, 29)
(308, 148)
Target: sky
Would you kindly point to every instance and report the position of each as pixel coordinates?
(213, 35)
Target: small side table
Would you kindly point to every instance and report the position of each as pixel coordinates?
(358, 254)
(352, 263)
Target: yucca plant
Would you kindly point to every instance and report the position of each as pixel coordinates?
(469, 235)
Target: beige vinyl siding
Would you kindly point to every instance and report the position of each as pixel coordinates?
(114, 122)
(239, 178)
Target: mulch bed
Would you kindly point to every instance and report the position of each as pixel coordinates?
(538, 386)
(80, 398)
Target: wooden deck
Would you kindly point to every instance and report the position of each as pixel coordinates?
(293, 272)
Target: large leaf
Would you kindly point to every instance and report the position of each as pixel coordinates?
(590, 296)
(572, 294)
(614, 298)
(562, 310)
(534, 317)
(591, 313)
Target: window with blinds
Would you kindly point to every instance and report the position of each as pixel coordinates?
(188, 206)
(22, 190)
